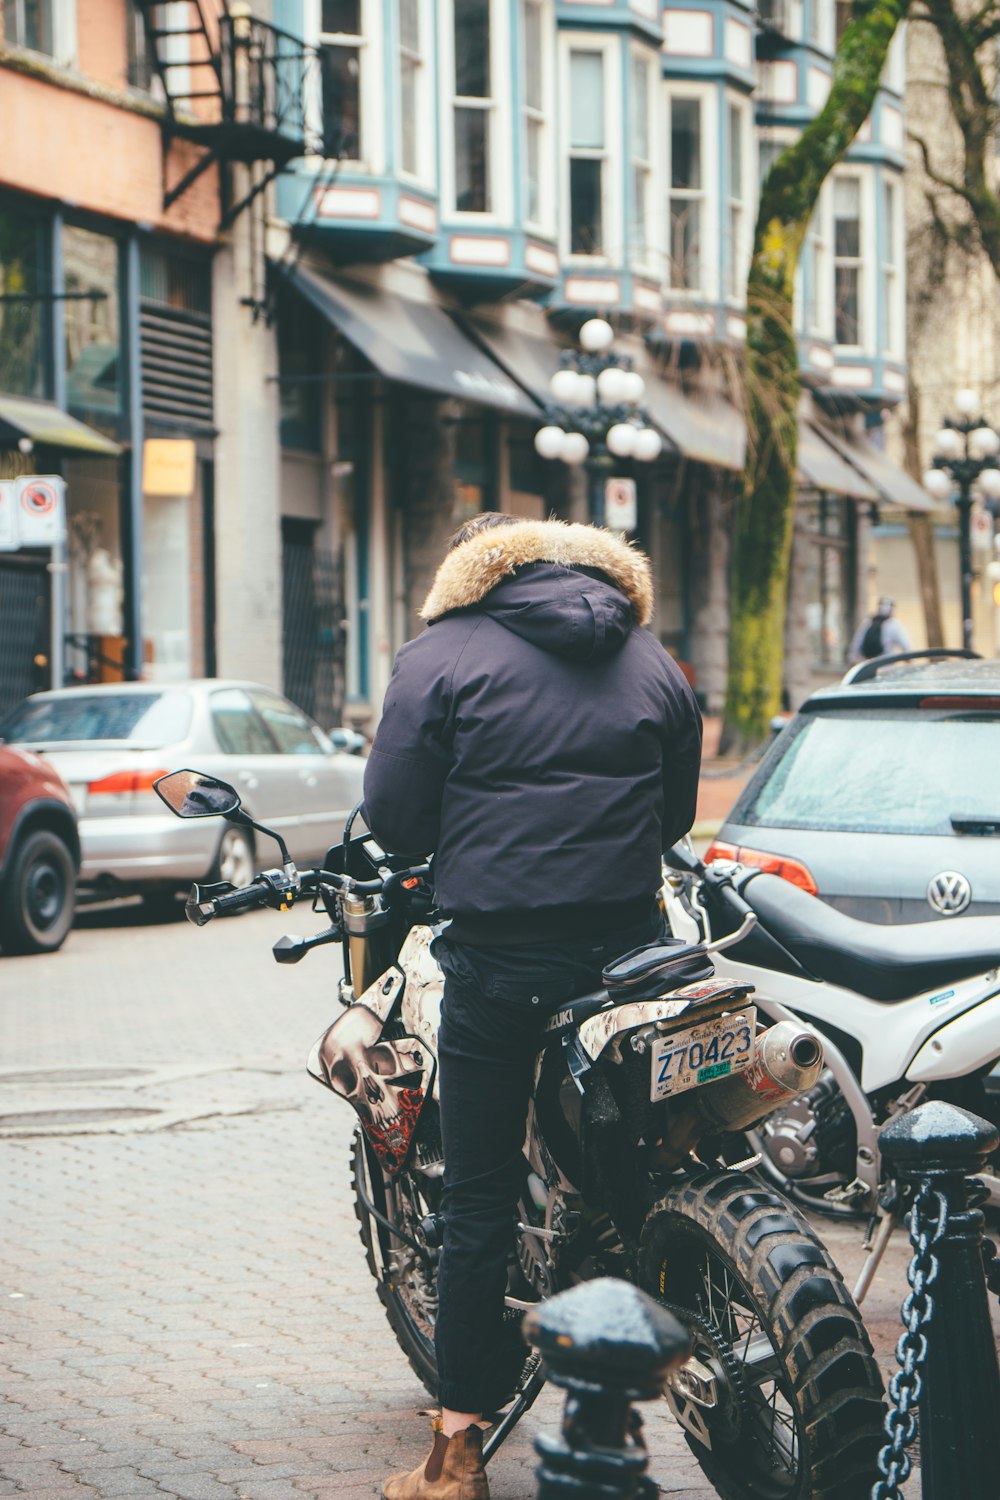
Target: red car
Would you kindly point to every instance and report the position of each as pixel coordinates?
(39, 854)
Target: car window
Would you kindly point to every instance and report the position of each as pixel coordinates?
(291, 729)
(151, 719)
(237, 725)
(880, 771)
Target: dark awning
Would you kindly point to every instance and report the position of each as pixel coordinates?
(529, 360)
(415, 343)
(703, 425)
(893, 484)
(822, 467)
(49, 427)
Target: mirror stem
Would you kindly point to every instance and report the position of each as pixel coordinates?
(244, 820)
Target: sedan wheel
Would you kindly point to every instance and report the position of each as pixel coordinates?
(235, 859)
(37, 897)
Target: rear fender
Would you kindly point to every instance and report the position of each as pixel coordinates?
(602, 1034)
(386, 1080)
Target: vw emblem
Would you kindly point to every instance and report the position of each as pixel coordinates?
(949, 893)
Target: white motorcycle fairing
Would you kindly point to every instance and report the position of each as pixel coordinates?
(890, 1034)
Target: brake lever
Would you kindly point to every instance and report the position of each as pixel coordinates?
(291, 949)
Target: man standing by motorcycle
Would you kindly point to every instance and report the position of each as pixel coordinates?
(541, 742)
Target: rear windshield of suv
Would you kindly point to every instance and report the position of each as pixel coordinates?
(148, 719)
(881, 771)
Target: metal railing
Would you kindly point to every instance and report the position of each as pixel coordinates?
(271, 81)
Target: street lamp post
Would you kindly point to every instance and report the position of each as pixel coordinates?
(596, 413)
(965, 455)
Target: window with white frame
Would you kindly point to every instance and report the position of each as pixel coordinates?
(536, 95)
(588, 151)
(737, 211)
(342, 45)
(848, 289)
(473, 106)
(892, 299)
(414, 94)
(688, 167)
(46, 26)
(641, 96)
(817, 268)
(821, 24)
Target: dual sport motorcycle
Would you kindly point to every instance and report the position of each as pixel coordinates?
(636, 1089)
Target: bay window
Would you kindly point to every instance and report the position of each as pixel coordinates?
(534, 75)
(892, 342)
(737, 213)
(473, 106)
(588, 152)
(687, 193)
(641, 95)
(848, 308)
(342, 45)
(414, 95)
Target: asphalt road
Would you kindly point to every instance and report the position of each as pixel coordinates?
(185, 1310)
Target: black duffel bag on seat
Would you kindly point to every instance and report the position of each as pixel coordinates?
(653, 970)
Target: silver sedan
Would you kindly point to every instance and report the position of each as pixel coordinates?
(111, 742)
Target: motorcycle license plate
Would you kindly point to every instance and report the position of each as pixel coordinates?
(701, 1054)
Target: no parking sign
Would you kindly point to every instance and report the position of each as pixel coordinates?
(40, 504)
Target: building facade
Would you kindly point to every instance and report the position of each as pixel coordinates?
(372, 229)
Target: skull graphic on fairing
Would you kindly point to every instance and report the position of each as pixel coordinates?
(385, 1081)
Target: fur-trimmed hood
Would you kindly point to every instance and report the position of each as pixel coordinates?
(477, 566)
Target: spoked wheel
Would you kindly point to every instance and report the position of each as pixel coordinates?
(406, 1278)
(782, 1399)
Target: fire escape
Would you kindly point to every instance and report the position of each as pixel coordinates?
(242, 89)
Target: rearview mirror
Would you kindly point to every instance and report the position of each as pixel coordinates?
(348, 740)
(192, 794)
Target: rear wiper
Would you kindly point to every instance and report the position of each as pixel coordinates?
(980, 823)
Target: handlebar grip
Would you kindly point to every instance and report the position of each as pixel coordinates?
(243, 900)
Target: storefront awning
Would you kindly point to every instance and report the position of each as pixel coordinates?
(704, 426)
(892, 484)
(530, 361)
(47, 426)
(415, 343)
(822, 467)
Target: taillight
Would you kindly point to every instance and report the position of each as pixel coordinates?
(792, 870)
(719, 849)
(120, 782)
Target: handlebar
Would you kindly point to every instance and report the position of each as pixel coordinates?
(281, 888)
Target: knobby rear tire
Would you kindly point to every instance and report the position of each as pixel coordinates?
(822, 1366)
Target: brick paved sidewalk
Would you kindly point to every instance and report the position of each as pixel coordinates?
(188, 1314)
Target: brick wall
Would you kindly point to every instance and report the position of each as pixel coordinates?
(63, 143)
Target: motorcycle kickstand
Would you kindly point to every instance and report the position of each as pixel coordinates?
(522, 1403)
(877, 1248)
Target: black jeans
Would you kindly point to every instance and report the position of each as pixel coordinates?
(496, 1003)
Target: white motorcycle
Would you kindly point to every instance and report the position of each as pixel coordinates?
(905, 1014)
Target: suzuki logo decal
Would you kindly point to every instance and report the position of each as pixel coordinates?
(949, 893)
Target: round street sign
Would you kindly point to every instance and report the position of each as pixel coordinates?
(39, 499)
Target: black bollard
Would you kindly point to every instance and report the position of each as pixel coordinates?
(607, 1344)
(934, 1149)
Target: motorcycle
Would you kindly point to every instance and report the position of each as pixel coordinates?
(634, 1088)
(905, 1014)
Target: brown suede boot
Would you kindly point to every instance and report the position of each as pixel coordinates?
(454, 1470)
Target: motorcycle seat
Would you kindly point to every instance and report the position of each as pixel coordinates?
(882, 962)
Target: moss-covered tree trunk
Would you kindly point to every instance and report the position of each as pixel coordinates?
(762, 545)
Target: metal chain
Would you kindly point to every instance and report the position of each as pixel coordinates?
(928, 1223)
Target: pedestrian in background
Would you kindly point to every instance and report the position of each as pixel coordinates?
(880, 635)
